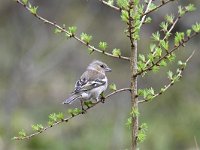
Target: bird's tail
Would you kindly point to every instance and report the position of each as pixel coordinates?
(71, 99)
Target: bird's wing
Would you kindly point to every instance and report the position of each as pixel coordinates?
(89, 80)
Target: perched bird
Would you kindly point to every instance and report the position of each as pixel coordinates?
(91, 84)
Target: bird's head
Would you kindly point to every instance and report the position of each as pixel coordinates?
(99, 66)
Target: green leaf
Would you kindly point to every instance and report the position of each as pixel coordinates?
(57, 30)
(86, 38)
(196, 27)
(181, 11)
(34, 127)
(76, 111)
(148, 20)
(33, 9)
(141, 137)
(124, 16)
(188, 32)
(190, 8)
(151, 91)
(171, 57)
(90, 50)
(88, 103)
(103, 45)
(170, 18)
(72, 30)
(22, 133)
(142, 58)
(25, 2)
(152, 47)
(60, 116)
(170, 74)
(146, 93)
(142, 132)
(151, 57)
(37, 127)
(40, 126)
(181, 64)
(152, 6)
(163, 63)
(144, 127)
(112, 87)
(136, 2)
(179, 37)
(164, 44)
(155, 68)
(110, 2)
(123, 3)
(167, 34)
(129, 122)
(116, 52)
(141, 66)
(53, 117)
(162, 90)
(156, 36)
(70, 111)
(158, 52)
(140, 11)
(164, 26)
(134, 112)
(50, 123)
(140, 92)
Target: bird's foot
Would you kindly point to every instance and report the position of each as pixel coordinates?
(83, 111)
(102, 98)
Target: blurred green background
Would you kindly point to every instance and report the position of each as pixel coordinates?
(38, 70)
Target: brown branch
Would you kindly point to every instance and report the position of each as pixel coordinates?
(167, 54)
(133, 70)
(69, 118)
(111, 6)
(54, 24)
(178, 76)
(163, 3)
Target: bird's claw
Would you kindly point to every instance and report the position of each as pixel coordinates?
(83, 111)
(102, 99)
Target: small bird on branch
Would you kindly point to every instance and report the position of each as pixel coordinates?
(91, 84)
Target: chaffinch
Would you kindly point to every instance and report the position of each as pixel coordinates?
(91, 84)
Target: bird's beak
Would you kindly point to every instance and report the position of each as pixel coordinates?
(108, 69)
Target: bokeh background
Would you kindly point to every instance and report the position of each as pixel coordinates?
(38, 69)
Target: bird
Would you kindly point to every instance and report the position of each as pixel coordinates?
(91, 84)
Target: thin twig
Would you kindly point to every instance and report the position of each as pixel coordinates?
(167, 54)
(160, 5)
(69, 118)
(190, 56)
(144, 16)
(179, 75)
(54, 24)
(107, 4)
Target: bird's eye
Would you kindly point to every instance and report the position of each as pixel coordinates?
(102, 66)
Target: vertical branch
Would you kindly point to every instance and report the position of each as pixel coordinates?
(134, 99)
(133, 69)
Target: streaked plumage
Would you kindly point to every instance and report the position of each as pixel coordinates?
(91, 84)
